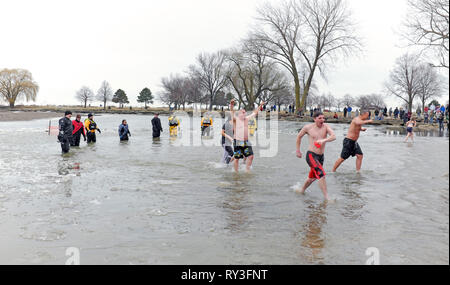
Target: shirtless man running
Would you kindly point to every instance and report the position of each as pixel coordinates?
(242, 146)
(351, 147)
(318, 137)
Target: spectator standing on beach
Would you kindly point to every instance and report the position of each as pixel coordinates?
(390, 112)
(357, 113)
(396, 112)
(441, 121)
(349, 112)
(425, 118)
(377, 112)
(345, 112)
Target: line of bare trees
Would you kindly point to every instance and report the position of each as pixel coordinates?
(412, 79)
(331, 102)
(290, 43)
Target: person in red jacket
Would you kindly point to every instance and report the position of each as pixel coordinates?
(78, 130)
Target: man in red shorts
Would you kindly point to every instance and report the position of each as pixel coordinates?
(319, 134)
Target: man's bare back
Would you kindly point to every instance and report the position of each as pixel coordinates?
(350, 145)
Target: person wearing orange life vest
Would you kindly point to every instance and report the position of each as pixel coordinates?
(91, 127)
(78, 130)
(206, 124)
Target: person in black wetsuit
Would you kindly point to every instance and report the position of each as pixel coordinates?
(78, 130)
(157, 128)
(65, 132)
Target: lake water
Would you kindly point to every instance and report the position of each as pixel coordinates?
(152, 202)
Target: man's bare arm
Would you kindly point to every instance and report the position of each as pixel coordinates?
(331, 135)
(256, 111)
(232, 110)
(300, 135)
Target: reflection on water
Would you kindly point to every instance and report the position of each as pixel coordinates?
(154, 202)
(313, 238)
(235, 201)
(421, 133)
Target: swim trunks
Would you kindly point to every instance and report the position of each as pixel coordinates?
(350, 148)
(242, 149)
(409, 129)
(315, 161)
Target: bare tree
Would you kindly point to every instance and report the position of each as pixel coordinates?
(307, 31)
(430, 85)
(105, 93)
(328, 33)
(372, 101)
(210, 71)
(17, 83)
(195, 93)
(348, 100)
(404, 79)
(278, 31)
(427, 27)
(283, 97)
(84, 95)
(312, 101)
(252, 73)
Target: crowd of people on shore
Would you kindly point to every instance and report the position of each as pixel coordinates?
(433, 114)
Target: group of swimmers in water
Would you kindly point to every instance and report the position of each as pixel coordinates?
(235, 138)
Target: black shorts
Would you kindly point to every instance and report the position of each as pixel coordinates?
(242, 149)
(350, 148)
(229, 150)
(315, 161)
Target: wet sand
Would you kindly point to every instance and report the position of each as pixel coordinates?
(26, 116)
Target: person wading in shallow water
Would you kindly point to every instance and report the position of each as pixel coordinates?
(350, 145)
(65, 132)
(78, 130)
(156, 125)
(242, 146)
(124, 131)
(410, 125)
(319, 134)
(91, 127)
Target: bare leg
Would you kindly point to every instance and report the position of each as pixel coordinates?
(308, 183)
(338, 163)
(407, 137)
(249, 162)
(323, 187)
(359, 159)
(236, 165)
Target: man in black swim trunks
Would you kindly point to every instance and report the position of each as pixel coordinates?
(319, 134)
(350, 145)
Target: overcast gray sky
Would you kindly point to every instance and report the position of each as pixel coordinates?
(132, 44)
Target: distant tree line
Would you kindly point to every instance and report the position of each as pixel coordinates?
(105, 94)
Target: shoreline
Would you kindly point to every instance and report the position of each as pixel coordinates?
(35, 113)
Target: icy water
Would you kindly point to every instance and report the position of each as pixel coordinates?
(151, 202)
